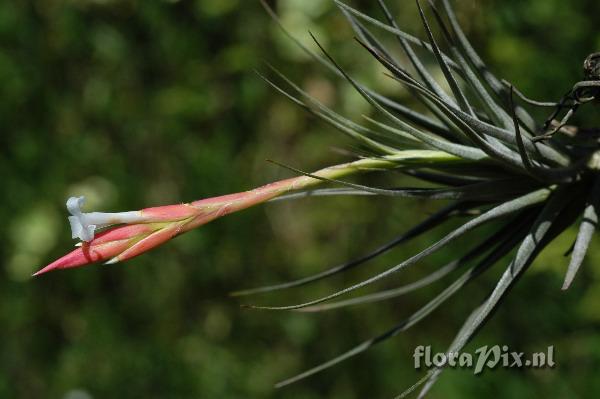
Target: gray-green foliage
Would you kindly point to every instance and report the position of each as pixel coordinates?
(549, 183)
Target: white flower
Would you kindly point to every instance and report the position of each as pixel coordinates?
(83, 225)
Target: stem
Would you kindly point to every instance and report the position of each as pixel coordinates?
(220, 206)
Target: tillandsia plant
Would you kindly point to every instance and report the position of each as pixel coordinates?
(474, 146)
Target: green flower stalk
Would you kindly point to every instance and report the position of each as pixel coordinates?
(473, 146)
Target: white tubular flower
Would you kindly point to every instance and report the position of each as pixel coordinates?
(83, 225)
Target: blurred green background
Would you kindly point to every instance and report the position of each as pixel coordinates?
(142, 103)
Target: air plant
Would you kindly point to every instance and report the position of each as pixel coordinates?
(474, 146)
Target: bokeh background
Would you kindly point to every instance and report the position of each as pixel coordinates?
(141, 103)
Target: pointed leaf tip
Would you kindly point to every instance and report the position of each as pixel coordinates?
(112, 261)
(46, 269)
